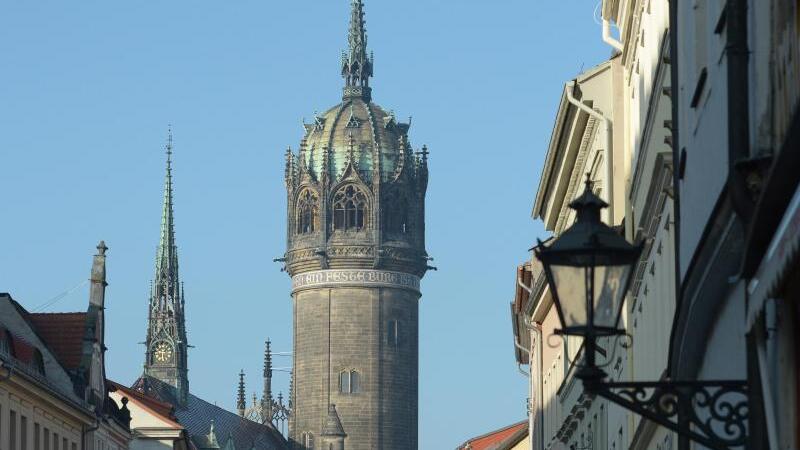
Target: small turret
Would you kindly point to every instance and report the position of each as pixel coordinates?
(333, 435)
(356, 65)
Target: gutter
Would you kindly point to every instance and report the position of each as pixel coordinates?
(608, 39)
(609, 146)
(738, 110)
(536, 330)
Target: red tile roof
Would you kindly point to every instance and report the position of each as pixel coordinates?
(63, 334)
(496, 438)
(163, 409)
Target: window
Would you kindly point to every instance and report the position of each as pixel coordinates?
(23, 432)
(64, 444)
(393, 333)
(38, 362)
(55, 441)
(307, 439)
(307, 212)
(349, 382)
(12, 430)
(36, 437)
(5, 342)
(395, 214)
(349, 209)
(46, 439)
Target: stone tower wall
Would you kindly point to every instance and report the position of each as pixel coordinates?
(346, 328)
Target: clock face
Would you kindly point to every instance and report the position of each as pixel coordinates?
(163, 352)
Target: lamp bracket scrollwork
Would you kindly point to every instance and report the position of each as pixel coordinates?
(712, 413)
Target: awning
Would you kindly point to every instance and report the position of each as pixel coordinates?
(781, 254)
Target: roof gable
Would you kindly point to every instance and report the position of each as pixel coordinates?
(498, 439)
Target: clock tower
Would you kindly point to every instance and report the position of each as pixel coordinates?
(166, 351)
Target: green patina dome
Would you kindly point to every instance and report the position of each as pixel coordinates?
(356, 130)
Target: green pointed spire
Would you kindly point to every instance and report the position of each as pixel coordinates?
(166, 257)
(166, 329)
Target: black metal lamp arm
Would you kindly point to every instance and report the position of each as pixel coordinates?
(712, 413)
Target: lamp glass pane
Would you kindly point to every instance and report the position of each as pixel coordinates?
(570, 281)
(609, 291)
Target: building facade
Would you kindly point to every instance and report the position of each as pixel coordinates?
(153, 422)
(53, 391)
(705, 139)
(584, 146)
(737, 76)
(356, 254)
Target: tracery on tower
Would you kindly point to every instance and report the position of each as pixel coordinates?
(307, 212)
(349, 209)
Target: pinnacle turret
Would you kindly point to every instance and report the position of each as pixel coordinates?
(356, 63)
(241, 404)
(267, 400)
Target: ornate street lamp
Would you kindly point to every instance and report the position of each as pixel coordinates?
(589, 269)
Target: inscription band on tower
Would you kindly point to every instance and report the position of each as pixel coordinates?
(354, 278)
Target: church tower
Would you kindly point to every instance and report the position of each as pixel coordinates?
(166, 346)
(356, 254)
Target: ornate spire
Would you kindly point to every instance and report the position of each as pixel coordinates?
(167, 255)
(167, 348)
(356, 64)
(241, 404)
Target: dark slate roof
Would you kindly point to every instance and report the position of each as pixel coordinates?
(197, 415)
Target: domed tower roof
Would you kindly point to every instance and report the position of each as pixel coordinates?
(355, 131)
(360, 146)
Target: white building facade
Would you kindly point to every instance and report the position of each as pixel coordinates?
(702, 103)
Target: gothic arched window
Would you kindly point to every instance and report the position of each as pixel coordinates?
(349, 209)
(395, 214)
(349, 382)
(307, 212)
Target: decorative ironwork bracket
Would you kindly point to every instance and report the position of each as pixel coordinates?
(712, 413)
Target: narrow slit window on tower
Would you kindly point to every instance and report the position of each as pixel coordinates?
(393, 333)
(349, 209)
(307, 212)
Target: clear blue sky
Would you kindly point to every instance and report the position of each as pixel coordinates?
(88, 87)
